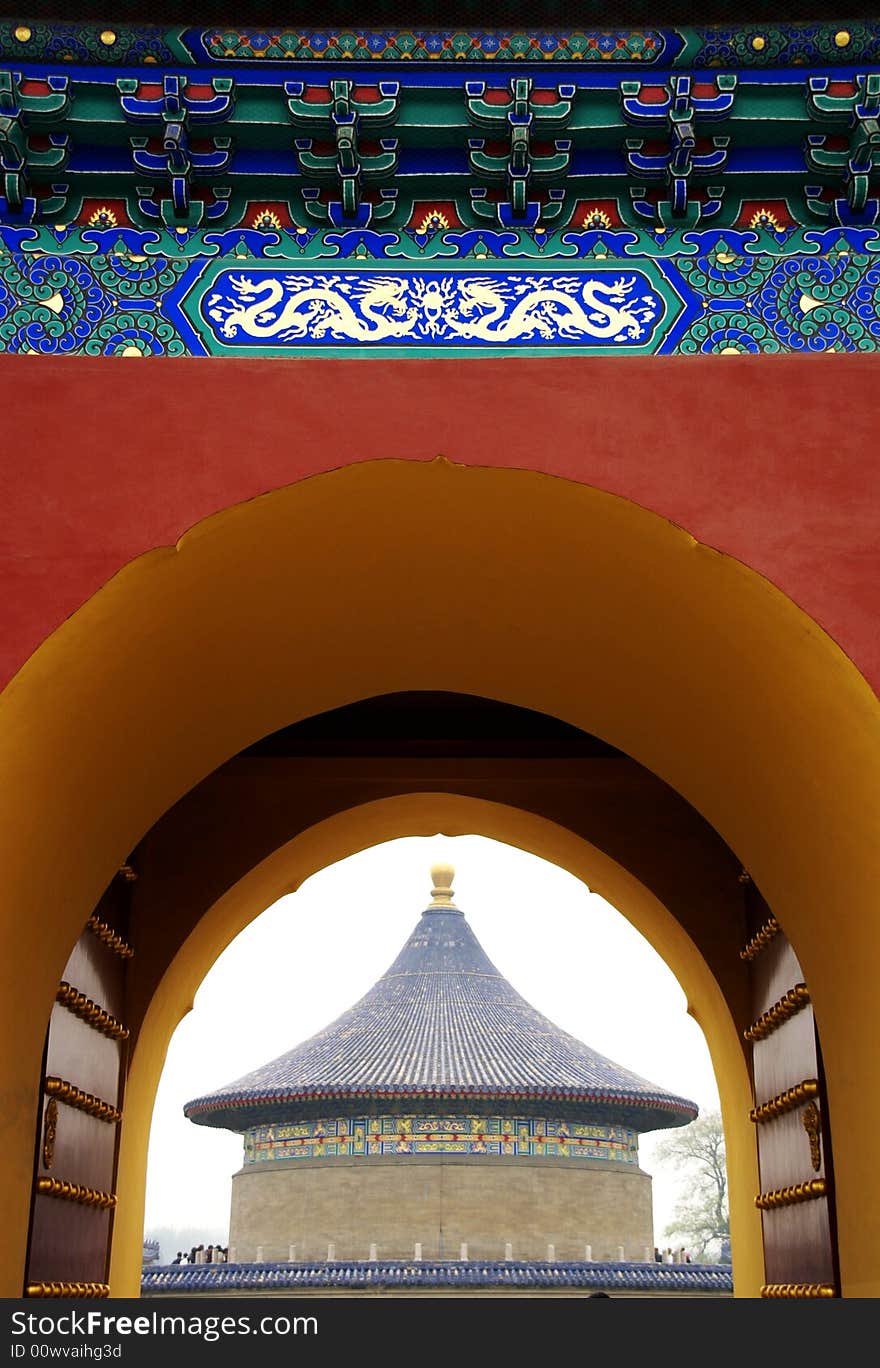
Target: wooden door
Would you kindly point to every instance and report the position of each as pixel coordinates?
(791, 1116)
(84, 1069)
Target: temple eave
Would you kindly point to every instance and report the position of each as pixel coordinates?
(238, 1113)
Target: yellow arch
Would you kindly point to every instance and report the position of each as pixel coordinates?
(424, 814)
(508, 584)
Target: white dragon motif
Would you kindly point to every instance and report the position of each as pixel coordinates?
(316, 308)
(553, 308)
(378, 308)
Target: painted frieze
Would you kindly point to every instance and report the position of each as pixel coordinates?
(276, 293)
(754, 44)
(510, 1136)
(233, 191)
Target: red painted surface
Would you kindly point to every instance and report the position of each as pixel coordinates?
(770, 459)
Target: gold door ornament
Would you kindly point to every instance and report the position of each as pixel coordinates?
(812, 1124)
(50, 1126)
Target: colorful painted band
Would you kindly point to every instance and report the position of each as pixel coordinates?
(511, 1136)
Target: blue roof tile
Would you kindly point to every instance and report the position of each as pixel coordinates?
(442, 1024)
(262, 1277)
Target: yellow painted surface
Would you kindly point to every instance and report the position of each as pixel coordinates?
(424, 814)
(514, 585)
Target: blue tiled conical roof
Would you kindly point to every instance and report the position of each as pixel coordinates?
(442, 1025)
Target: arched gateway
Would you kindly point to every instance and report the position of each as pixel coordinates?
(661, 562)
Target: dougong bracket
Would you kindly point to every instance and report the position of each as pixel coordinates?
(174, 159)
(521, 122)
(675, 117)
(856, 165)
(23, 114)
(346, 122)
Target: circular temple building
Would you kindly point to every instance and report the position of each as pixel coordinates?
(441, 1117)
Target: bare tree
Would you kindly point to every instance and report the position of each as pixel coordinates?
(702, 1220)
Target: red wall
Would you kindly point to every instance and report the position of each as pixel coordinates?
(770, 459)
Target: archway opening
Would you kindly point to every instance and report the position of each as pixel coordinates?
(392, 745)
(307, 958)
(563, 599)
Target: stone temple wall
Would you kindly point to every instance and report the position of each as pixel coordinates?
(395, 1204)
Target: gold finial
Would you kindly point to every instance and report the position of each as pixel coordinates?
(442, 876)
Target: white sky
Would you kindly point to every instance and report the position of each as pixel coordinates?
(314, 953)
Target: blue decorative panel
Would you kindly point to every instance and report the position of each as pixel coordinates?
(268, 308)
